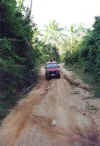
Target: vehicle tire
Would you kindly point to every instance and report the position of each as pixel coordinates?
(58, 76)
(47, 77)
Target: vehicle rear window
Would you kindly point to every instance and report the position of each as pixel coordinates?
(51, 65)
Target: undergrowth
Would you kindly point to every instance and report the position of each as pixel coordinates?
(87, 77)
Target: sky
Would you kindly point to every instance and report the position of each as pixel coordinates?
(65, 12)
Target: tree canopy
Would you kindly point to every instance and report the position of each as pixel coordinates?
(21, 50)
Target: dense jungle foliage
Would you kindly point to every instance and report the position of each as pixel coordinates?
(85, 53)
(21, 52)
(23, 49)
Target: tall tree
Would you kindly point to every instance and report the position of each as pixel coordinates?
(53, 33)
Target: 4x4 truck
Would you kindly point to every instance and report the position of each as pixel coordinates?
(52, 70)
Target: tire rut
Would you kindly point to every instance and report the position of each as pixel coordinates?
(31, 121)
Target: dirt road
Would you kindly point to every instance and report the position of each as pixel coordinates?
(51, 115)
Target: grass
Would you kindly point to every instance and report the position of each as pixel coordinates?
(10, 99)
(87, 77)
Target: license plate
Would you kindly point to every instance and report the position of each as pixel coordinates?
(52, 75)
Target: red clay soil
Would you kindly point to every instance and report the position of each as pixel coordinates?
(50, 116)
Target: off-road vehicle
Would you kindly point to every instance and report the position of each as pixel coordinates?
(52, 70)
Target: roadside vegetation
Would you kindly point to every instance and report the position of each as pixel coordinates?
(21, 52)
(84, 56)
(24, 48)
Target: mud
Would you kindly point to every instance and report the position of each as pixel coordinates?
(51, 115)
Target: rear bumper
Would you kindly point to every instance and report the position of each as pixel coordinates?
(53, 73)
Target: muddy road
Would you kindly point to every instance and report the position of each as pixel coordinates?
(51, 115)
